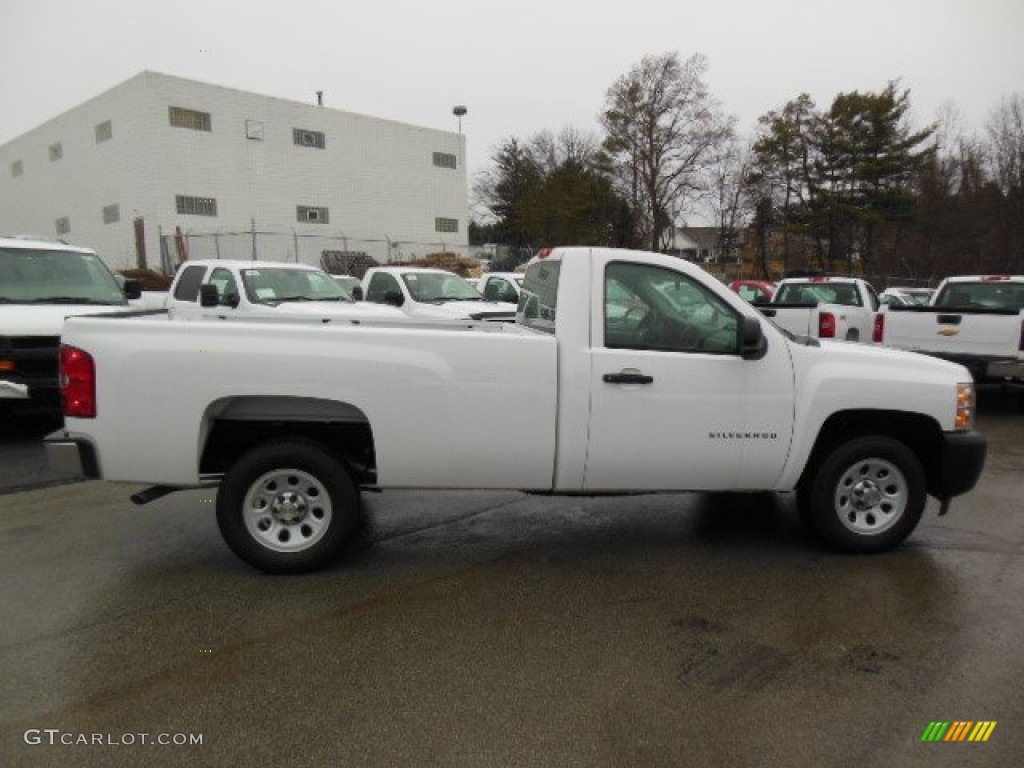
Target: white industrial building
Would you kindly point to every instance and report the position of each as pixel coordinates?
(159, 168)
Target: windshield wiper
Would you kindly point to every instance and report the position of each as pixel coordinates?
(70, 300)
(443, 299)
(280, 299)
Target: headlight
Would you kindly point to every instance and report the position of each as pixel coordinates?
(964, 407)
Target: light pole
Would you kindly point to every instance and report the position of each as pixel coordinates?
(459, 111)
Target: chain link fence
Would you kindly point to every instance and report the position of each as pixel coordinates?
(262, 245)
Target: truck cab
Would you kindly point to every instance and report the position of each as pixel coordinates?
(432, 294)
(223, 289)
(824, 307)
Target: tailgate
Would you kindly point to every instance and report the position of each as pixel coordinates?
(941, 331)
(798, 319)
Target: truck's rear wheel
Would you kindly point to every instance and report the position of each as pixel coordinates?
(288, 507)
(867, 495)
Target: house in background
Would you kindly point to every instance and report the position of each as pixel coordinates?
(160, 168)
(704, 245)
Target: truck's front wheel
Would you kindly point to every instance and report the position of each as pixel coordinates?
(867, 495)
(287, 507)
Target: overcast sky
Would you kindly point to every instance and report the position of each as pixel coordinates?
(519, 67)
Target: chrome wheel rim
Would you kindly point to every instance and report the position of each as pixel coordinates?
(287, 510)
(871, 496)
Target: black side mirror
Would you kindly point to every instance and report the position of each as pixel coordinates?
(357, 293)
(132, 289)
(753, 344)
(394, 298)
(209, 296)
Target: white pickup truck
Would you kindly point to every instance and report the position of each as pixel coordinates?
(432, 294)
(612, 379)
(974, 320)
(41, 283)
(228, 290)
(824, 307)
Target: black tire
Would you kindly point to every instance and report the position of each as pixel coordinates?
(867, 495)
(288, 507)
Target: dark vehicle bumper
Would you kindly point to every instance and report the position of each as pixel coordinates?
(71, 455)
(960, 464)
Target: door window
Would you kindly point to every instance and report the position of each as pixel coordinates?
(653, 308)
(381, 284)
(226, 285)
(187, 288)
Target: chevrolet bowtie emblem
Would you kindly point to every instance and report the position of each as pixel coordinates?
(948, 331)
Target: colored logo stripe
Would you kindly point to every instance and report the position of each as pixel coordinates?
(982, 731)
(958, 730)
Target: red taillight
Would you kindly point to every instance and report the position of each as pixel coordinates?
(544, 252)
(826, 325)
(995, 278)
(77, 383)
(878, 331)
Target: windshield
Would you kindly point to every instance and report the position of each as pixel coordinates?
(982, 295)
(40, 276)
(439, 287)
(273, 285)
(346, 283)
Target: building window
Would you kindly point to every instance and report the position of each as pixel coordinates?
(63, 225)
(444, 160)
(111, 213)
(305, 138)
(196, 206)
(189, 118)
(254, 130)
(17, 168)
(56, 152)
(446, 225)
(104, 132)
(311, 214)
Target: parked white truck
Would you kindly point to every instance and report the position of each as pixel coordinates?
(228, 289)
(824, 307)
(432, 294)
(974, 320)
(41, 283)
(607, 382)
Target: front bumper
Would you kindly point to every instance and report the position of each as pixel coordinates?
(960, 464)
(71, 455)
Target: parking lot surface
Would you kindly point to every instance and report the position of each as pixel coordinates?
(500, 629)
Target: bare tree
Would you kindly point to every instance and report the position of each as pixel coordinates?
(1006, 153)
(728, 201)
(663, 127)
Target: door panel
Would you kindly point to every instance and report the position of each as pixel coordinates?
(673, 405)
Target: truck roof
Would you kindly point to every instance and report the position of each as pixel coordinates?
(252, 264)
(399, 270)
(821, 279)
(985, 279)
(34, 242)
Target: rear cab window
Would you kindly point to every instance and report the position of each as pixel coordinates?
(538, 301)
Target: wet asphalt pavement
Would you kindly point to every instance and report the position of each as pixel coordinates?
(499, 629)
